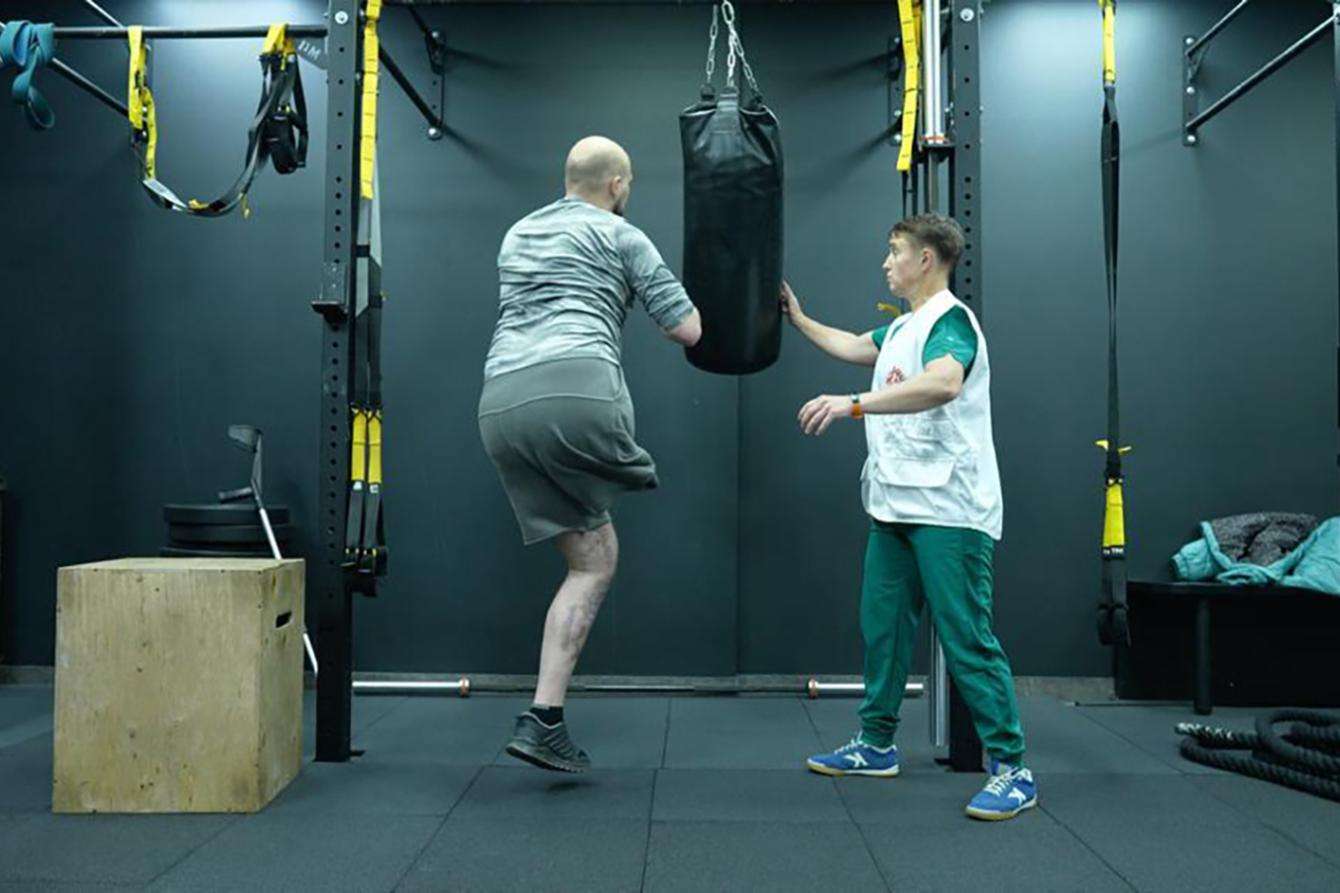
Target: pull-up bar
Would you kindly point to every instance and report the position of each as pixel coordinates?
(162, 33)
(1192, 120)
(117, 32)
(1196, 46)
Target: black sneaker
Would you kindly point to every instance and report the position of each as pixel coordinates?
(548, 747)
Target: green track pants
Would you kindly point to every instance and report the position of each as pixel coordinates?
(950, 569)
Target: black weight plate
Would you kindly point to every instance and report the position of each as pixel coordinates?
(226, 533)
(235, 513)
(182, 552)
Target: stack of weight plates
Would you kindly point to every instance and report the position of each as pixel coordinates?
(212, 530)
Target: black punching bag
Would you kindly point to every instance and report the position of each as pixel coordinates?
(733, 230)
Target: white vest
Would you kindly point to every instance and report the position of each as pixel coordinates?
(938, 466)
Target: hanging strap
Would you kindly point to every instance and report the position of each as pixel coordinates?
(371, 72)
(365, 534)
(374, 551)
(1113, 624)
(278, 132)
(365, 540)
(28, 47)
(909, 16)
(284, 133)
(140, 104)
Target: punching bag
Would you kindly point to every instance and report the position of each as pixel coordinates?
(733, 226)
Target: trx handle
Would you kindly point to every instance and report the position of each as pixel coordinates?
(374, 550)
(1113, 621)
(29, 47)
(358, 445)
(278, 132)
(284, 133)
(909, 16)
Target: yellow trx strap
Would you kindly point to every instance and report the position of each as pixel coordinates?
(1114, 513)
(374, 469)
(277, 42)
(359, 447)
(371, 62)
(909, 15)
(278, 133)
(1114, 520)
(375, 448)
(1109, 8)
(140, 101)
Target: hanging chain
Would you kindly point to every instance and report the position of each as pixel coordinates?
(712, 46)
(728, 13)
(736, 48)
(744, 64)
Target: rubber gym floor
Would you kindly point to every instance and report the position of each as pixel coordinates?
(689, 793)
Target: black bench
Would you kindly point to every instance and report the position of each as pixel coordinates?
(1259, 667)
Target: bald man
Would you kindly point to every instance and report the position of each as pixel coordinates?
(555, 414)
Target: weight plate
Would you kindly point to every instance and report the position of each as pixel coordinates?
(234, 513)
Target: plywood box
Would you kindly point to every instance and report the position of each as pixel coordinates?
(178, 684)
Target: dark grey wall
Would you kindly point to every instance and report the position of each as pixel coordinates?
(130, 338)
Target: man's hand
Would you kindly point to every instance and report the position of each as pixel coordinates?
(689, 331)
(791, 305)
(819, 413)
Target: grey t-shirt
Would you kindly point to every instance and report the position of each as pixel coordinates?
(568, 274)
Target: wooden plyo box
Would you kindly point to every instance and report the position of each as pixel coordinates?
(178, 684)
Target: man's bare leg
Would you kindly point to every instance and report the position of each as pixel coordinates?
(541, 736)
(592, 559)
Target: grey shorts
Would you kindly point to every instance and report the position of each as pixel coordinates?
(561, 436)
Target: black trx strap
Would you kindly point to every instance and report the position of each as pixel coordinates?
(365, 550)
(1113, 626)
(278, 133)
(365, 534)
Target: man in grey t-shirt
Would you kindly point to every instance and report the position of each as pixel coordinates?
(555, 415)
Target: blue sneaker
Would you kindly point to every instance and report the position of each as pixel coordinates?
(1009, 792)
(855, 758)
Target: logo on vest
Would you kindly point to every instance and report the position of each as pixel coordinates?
(895, 376)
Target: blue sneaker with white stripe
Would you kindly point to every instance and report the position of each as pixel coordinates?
(1009, 791)
(856, 758)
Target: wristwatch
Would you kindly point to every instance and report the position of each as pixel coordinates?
(856, 411)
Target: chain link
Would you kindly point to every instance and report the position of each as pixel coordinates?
(712, 46)
(744, 64)
(734, 46)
